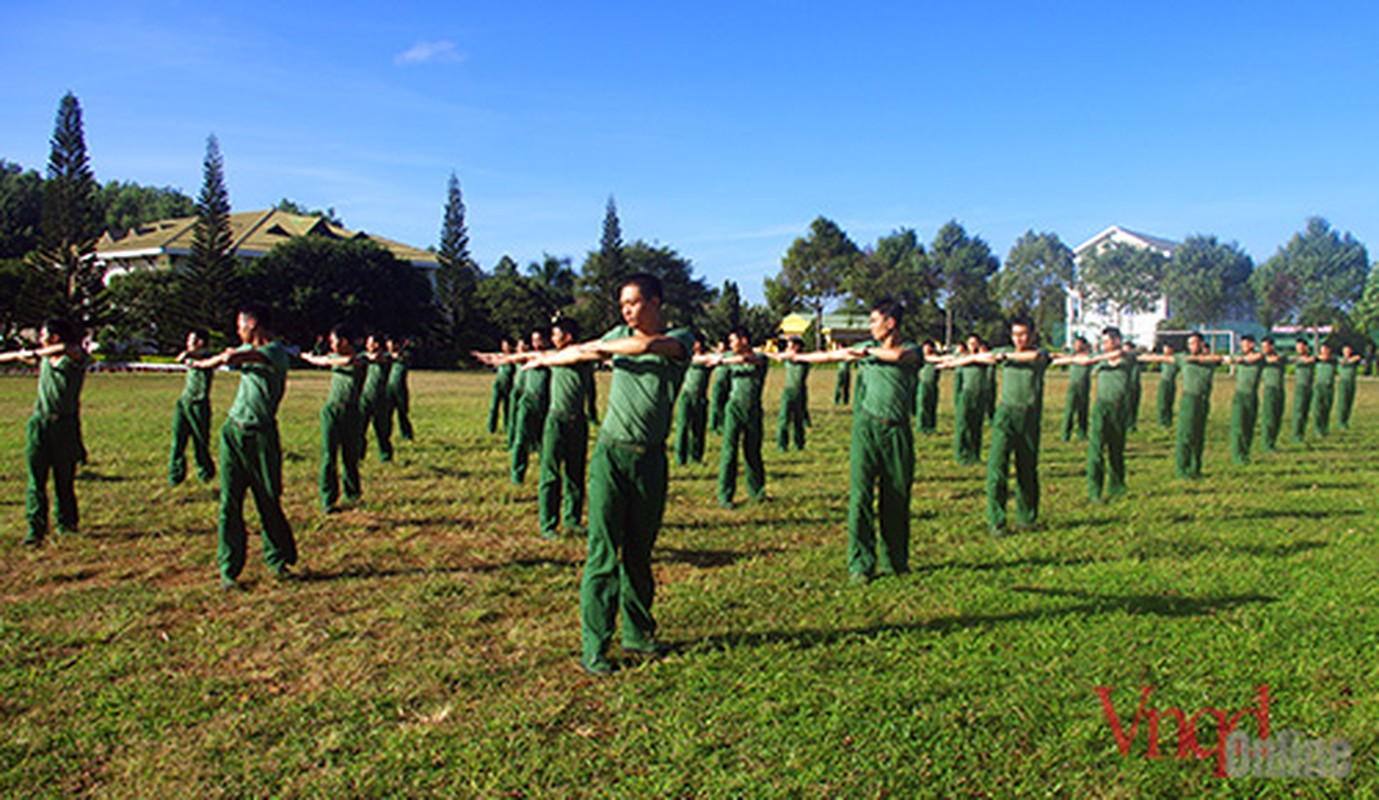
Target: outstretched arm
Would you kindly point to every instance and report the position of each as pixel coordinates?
(335, 360)
(229, 357)
(830, 356)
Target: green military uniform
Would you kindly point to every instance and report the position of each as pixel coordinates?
(1345, 393)
(1015, 431)
(1168, 392)
(529, 422)
(742, 428)
(1193, 411)
(1079, 399)
(1136, 387)
(718, 397)
(1302, 396)
(375, 407)
(1272, 378)
(54, 445)
(399, 397)
(989, 391)
(842, 386)
(926, 397)
(251, 458)
(519, 380)
(341, 421)
(1324, 392)
(1106, 434)
(499, 402)
(691, 415)
(565, 447)
(969, 405)
(191, 419)
(794, 409)
(1245, 408)
(627, 497)
(882, 456)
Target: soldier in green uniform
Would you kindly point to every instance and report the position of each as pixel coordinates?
(374, 404)
(1324, 389)
(1347, 369)
(53, 442)
(794, 399)
(191, 417)
(926, 395)
(532, 399)
(341, 418)
(628, 471)
(1274, 366)
(842, 385)
(742, 419)
(1304, 365)
(1015, 428)
(1079, 393)
(399, 396)
(1168, 388)
(1196, 367)
(250, 452)
(969, 406)
(500, 400)
(565, 438)
(718, 396)
(519, 379)
(1136, 391)
(883, 452)
(692, 409)
(1249, 369)
(1109, 417)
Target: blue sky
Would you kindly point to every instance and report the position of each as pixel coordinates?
(723, 128)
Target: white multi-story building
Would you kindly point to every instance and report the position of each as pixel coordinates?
(1089, 318)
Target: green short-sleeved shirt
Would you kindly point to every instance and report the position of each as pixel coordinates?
(569, 387)
(641, 396)
(796, 374)
(346, 383)
(59, 387)
(1348, 370)
(890, 385)
(1272, 375)
(397, 373)
(261, 388)
(505, 375)
(536, 387)
(1196, 376)
(1113, 379)
(970, 379)
(696, 380)
(1247, 376)
(748, 380)
(197, 387)
(1022, 382)
(1079, 377)
(1326, 372)
(1169, 371)
(1303, 371)
(928, 375)
(376, 379)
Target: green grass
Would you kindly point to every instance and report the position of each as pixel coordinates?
(432, 650)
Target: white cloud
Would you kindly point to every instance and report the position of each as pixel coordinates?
(439, 52)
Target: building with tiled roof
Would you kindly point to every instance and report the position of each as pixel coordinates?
(166, 243)
(1088, 318)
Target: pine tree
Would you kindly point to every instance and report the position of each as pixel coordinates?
(211, 264)
(70, 222)
(457, 275)
(602, 275)
(610, 246)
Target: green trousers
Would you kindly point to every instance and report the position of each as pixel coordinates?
(340, 424)
(1273, 416)
(1133, 409)
(691, 420)
(1244, 414)
(1325, 397)
(564, 448)
(718, 403)
(1192, 435)
(251, 460)
(967, 427)
(742, 429)
(52, 446)
(499, 404)
(191, 421)
(1167, 392)
(1014, 432)
(401, 401)
(1075, 415)
(882, 460)
(842, 387)
(528, 426)
(926, 402)
(1106, 451)
(378, 414)
(1345, 403)
(627, 497)
(791, 424)
(1302, 404)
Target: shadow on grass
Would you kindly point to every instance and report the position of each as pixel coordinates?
(1092, 605)
(365, 571)
(1292, 513)
(1307, 486)
(93, 476)
(708, 558)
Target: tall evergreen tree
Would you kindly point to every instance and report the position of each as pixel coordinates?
(610, 245)
(211, 264)
(457, 274)
(70, 222)
(602, 276)
(813, 270)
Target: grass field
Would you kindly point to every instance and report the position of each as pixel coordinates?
(431, 650)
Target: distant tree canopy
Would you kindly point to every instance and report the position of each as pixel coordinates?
(1315, 279)
(123, 205)
(21, 204)
(1034, 279)
(293, 207)
(1123, 277)
(813, 270)
(1207, 280)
